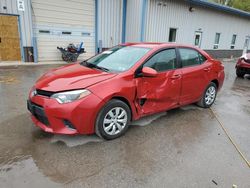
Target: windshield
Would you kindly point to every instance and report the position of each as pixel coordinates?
(119, 58)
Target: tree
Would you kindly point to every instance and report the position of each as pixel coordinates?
(238, 4)
(223, 2)
(241, 4)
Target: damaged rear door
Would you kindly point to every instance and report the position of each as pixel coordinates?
(155, 94)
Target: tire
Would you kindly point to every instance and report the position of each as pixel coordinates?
(115, 126)
(239, 73)
(208, 96)
(65, 58)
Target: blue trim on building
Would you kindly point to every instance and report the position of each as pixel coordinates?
(35, 51)
(143, 19)
(21, 38)
(33, 34)
(124, 15)
(205, 3)
(96, 26)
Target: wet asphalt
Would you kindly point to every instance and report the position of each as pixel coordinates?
(185, 147)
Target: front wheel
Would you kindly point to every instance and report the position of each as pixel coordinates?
(208, 96)
(113, 120)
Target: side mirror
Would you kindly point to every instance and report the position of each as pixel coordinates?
(149, 72)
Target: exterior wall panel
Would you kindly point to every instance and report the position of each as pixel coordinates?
(110, 22)
(133, 21)
(163, 15)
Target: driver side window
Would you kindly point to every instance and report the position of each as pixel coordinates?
(162, 61)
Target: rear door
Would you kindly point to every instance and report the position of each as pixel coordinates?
(162, 92)
(195, 75)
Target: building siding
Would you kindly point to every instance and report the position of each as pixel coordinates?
(133, 20)
(176, 14)
(110, 22)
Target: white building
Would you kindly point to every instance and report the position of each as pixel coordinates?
(38, 26)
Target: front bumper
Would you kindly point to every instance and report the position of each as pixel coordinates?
(77, 117)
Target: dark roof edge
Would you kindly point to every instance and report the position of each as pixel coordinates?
(217, 6)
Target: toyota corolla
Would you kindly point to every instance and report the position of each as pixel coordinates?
(105, 93)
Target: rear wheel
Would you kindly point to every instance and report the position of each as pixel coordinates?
(239, 73)
(209, 96)
(113, 120)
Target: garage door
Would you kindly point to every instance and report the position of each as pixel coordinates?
(61, 22)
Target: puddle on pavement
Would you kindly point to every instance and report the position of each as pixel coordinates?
(40, 134)
(190, 107)
(8, 80)
(72, 141)
(24, 169)
(148, 119)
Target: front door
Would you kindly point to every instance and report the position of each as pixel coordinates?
(155, 94)
(197, 39)
(246, 44)
(9, 39)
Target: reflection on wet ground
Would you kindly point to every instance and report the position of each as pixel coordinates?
(183, 147)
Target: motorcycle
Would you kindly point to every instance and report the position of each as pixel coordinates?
(71, 52)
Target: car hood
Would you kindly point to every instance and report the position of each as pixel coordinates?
(71, 77)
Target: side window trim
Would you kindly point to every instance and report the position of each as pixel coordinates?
(180, 60)
(159, 51)
(178, 63)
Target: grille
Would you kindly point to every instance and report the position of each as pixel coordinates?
(44, 93)
(38, 112)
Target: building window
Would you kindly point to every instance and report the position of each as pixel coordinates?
(66, 32)
(44, 31)
(233, 41)
(172, 35)
(217, 40)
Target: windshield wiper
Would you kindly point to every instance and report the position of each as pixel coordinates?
(91, 65)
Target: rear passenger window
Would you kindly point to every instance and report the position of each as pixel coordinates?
(190, 57)
(162, 61)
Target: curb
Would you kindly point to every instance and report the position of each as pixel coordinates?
(21, 64)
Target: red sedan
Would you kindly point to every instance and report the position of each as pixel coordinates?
(243, 65)
(105, 93)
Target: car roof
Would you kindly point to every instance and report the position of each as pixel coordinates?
(156, 45)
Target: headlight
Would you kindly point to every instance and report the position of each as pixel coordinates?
(70, 96)
(33, 92)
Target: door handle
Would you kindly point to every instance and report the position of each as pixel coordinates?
(207, 69)
(177, 76)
